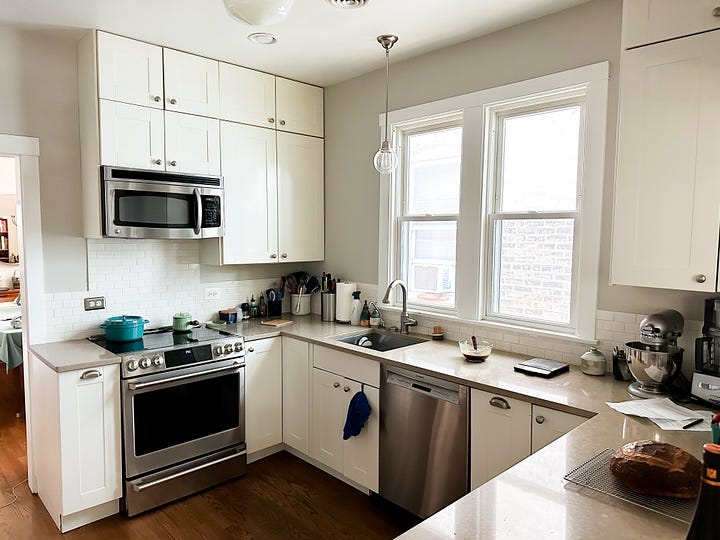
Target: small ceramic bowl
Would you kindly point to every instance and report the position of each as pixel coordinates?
(484, 348)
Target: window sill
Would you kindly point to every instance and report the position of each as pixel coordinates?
(494, 325)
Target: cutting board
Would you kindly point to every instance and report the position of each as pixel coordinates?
(277, 323)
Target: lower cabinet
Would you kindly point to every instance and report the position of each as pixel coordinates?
(77, 442)
(357, 457)
(296, 381)
(263, 394)
(504, 431)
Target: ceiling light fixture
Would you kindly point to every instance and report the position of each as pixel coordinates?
(385, 159)
(347, 4)
(259, 12)
(262, 38)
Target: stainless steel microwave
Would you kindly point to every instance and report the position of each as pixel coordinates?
(152, 204)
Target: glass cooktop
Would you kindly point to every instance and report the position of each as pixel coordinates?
(161, 338)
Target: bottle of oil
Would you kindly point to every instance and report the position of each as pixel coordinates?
(706, 523)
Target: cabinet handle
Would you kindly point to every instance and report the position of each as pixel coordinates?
(271, 120)
(282, 122)
(157, 161)
(284, 255)
(540, 419)
(172, 163)
(716, 12)
(336, 385)
(701, 278)
(173, 101)
(346, 388)
(273, 256)
(251, 349)
(91, 374)
(500, 403)
(156, 99)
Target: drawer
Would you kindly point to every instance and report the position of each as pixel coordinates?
(347, 365)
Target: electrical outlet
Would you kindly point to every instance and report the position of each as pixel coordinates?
(212, 293)
(94, 302)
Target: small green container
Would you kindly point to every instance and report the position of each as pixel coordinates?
(716, 433)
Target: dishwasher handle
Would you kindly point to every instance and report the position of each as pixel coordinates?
(431, 390)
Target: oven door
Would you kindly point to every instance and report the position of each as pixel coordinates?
(161, 210)
(176, 416)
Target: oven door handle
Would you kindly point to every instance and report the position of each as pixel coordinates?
(140, 386)
(141, 486)
(198, 214)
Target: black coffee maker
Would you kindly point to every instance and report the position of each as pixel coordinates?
(706, 379)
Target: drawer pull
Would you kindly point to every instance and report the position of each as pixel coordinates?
(251, 349)
(346, 388)
(500, 403)
(336, 385)
(716, 12)
(173, 101)
(540, 419)
(90, 374)
(701, 278)
(156, 99)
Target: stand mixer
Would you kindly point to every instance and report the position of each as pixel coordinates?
(656, 359)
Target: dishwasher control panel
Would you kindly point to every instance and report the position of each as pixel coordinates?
(425, 385)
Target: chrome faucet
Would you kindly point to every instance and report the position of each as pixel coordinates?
(405, 320)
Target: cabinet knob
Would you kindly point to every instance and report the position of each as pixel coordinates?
(282, 122)
(336, 385)
(540, 419)
(716, 12)
(346, 388)
(284, 256)
(157, 161)
(271, 119)
(251, 349)
(701, 278)
(172, 163)
(273, 256)
(156, 99)
(173, 101)
(500, 403)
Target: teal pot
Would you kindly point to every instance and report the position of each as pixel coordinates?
(124, 327)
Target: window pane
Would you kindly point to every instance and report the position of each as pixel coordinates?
(533, 269)
(429, 262)
(540, 161)
(433, 168)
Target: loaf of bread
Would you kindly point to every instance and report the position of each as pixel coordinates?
(655, 468)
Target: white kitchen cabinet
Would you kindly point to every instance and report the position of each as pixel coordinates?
(276, 179)
(357, 458)
(650, 21)
(131, 136)
(191, 84)
(192, 144)
(667, 194)
(549, 424)
(301, 213)
(299, 107)
(499, 434)
(263, 394)
(77, 450)
(296, 383)
(129, 71)
(247, 96)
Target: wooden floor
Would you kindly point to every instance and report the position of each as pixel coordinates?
(281, 497)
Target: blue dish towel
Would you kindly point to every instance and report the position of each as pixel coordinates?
(357, 415)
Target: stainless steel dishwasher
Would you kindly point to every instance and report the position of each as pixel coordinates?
(423, 440)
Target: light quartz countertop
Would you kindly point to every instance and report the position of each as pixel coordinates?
(529, 500)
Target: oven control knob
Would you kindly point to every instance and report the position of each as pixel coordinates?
(228, 348)
(158, 360)
(131, 365)
(238, 346)
(145, 362)
(218, 350)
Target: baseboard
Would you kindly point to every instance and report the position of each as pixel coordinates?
(326, 469)
(265, 452)
(83, 517)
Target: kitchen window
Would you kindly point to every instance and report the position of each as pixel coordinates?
(493, 215)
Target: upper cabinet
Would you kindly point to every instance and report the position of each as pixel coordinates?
(651, 21)
(191, 84)
(299, 107)
(667, 194)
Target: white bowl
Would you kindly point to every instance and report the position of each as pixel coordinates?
(484, 348)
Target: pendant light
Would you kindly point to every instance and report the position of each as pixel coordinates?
(385, 159)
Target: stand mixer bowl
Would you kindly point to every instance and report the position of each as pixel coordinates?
(654, 367)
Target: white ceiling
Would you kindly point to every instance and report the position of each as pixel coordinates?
(318, 43)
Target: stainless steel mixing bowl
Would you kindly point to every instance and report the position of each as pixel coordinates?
(654, 367)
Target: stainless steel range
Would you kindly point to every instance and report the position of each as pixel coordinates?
(183, 409)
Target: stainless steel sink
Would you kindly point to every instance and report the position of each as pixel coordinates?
(380, 341)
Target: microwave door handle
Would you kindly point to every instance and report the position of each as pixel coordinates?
(198, 214)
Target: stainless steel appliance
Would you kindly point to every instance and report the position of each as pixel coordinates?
(151, 204)
(656, 359)
(183, 413)
(423, 441)
(706, 378)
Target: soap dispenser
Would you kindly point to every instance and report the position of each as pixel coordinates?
(365, 315)
(355, 309)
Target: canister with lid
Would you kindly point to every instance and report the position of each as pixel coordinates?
(592, 362)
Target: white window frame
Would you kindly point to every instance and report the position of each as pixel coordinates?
(472, 235)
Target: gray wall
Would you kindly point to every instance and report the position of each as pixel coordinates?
(583, 35)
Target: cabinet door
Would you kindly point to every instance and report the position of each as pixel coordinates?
(667, 194)
(301, 215)
(247, 96)
(296, 394)
(499, 434)
(361, 453)
(191, 84)
(129, 71)
(299, 107)
(263, 394)
(328, 419)
(192, 144)
(131, 136)
(249, 172)
(549, 424)
(90, 444)
(650, 21)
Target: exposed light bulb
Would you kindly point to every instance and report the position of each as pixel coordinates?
(386, 160)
